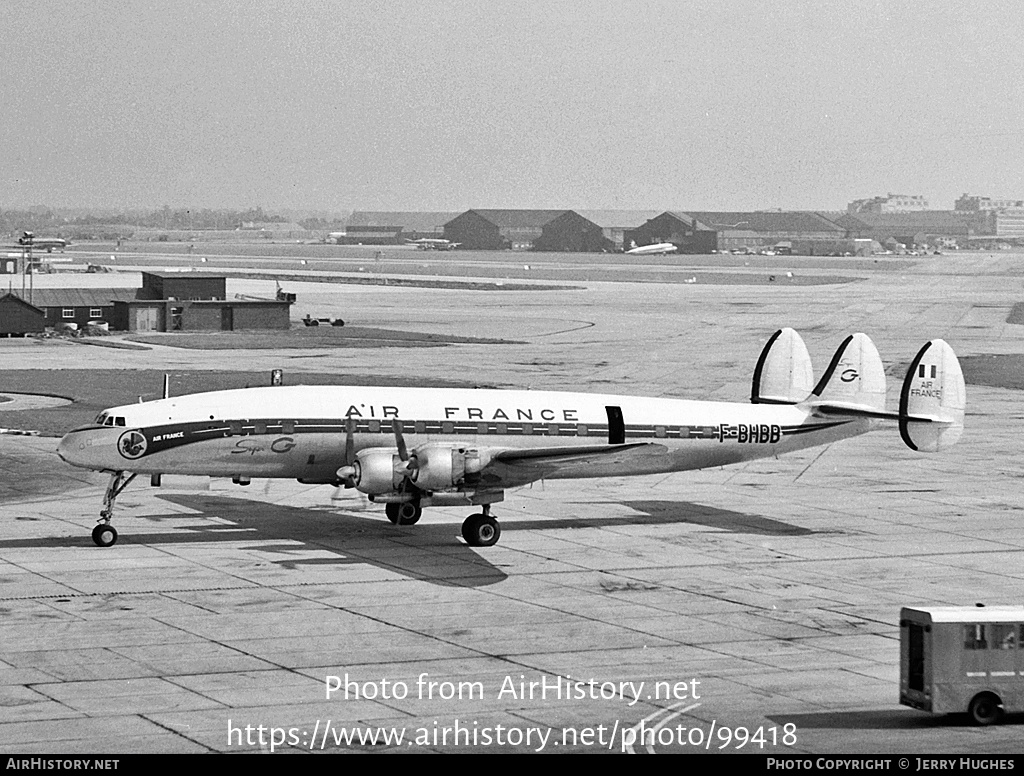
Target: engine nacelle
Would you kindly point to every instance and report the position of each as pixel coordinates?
(439, 467)
(378, 471)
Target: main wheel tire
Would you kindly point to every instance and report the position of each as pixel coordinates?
(104, 535)
(403, 513)
(409, 513)
(985, 709)
(481, 531)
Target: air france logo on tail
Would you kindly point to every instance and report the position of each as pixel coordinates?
(927, 387)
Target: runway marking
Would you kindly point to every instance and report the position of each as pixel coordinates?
(635, 730)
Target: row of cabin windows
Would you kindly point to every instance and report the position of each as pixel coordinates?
(993, 636)
(260, 427)
(235, 427)
(69, 312)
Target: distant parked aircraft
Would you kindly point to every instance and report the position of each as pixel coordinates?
(642, 250)
(29, 240)
(434, 244)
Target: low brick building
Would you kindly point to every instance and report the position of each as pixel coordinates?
(18, 317)
(166, 301)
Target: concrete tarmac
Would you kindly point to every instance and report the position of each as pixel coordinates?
(757, 604)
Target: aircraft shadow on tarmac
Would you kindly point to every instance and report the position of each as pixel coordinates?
(712, 517)
(427, 551)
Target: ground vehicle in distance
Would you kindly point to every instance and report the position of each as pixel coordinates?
(956, 659)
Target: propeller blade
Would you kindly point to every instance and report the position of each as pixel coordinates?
(350, 441)
(349, 473)
(403, 451)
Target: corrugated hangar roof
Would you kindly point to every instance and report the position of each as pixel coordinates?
(518, 219)
(407, 221)
(81, 297)
(772, 221)
(184, 272)
(628, 219)
(924, 219)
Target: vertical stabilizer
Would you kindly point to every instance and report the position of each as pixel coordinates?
(855, 378)
(783, 374)
(933, 399)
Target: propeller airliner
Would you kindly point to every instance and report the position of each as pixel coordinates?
(411, 448)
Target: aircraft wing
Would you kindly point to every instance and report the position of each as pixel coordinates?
(514, 467)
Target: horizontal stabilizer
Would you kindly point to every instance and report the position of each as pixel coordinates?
(783, 374)
(933, 399)
(855, 378)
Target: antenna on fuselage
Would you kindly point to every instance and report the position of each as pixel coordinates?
(167, 386)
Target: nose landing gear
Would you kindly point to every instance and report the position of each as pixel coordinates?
(104, 534)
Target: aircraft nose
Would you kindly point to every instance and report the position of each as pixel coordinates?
(73, 448)
(64, 448)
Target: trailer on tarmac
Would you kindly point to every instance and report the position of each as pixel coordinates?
(956, 659)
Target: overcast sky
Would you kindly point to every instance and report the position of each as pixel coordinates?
(425, 105)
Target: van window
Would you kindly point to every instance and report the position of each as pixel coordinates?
(974, 636)
(1004, 636)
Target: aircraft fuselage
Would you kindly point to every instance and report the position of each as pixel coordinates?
(300, 432)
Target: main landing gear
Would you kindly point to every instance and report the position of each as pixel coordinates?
(481, 530)
(404, 512)
(104, 534)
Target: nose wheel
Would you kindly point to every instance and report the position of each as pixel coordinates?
(104, 535)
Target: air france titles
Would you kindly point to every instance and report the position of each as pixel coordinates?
(476, 413)
(473, 413)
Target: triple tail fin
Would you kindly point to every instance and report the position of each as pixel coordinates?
(933, 399)
(783, 374)
(854, 380)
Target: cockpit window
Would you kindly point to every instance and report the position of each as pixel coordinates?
(119, 421)
(109, 421)
(101, 418)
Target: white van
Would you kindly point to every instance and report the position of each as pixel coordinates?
(956, 659)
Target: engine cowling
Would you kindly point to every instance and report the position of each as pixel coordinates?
(377, 471)
(438, 467)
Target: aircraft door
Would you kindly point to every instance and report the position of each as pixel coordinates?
(616, 426)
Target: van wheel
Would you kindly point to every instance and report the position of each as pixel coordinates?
(985, 709)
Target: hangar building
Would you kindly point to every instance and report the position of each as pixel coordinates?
(590, 231)
(918, 228)
(491, 230)
(707, 231)
(392, 228)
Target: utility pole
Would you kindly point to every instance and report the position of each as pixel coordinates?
(27, 240)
